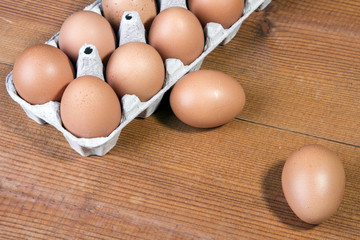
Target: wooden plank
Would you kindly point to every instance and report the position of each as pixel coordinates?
(303, 72)
(298, 62)
(25, 23)
(295, 76)
(162, 180)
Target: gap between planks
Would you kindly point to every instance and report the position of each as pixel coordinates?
(297, 132)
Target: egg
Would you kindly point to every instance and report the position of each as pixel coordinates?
(41, 74)
(207, 98)
(224, 12)
(114, 9)
(87, 27)
(135, 68)
(90, 108)
(177, 33)
(313, 182)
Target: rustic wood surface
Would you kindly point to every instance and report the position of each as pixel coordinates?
(299, 63)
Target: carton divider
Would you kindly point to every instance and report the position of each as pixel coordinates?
(89, 63)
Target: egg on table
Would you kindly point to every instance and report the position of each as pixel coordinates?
(313, 182)
(207, 98)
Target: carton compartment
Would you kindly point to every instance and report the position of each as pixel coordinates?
(89, 63)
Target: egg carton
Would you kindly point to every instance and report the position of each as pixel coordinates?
(89, 63)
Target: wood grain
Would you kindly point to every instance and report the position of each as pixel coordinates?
(25, 23)
(299, 64)
(302, 74)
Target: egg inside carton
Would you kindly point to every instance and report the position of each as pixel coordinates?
(89, 63)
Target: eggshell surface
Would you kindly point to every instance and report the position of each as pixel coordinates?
(313, 182)
(114, 9)
(207, 98)
(41, 74)
(90, 108)
(135, 68)
(87, 27)
(177, 33)
(224, 12)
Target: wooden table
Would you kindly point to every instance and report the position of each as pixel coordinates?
(299, 63)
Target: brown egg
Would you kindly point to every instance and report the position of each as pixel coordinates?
(90, 108)
(87, 27)
(207, 98)
(177, 33)
(135, 68)
(313, 181)
(114, 9)
(224, 12)
(41, 74)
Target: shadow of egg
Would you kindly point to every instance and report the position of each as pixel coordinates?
(275, 199)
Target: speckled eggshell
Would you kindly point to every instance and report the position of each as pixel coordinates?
(207, 98)
(313, 182)
(90, 108)
(41, 74)
(135, 68)
(87, 27)
(114, 9)
(177, 33)
(224, 12)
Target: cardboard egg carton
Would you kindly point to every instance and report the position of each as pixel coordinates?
(89, 63)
